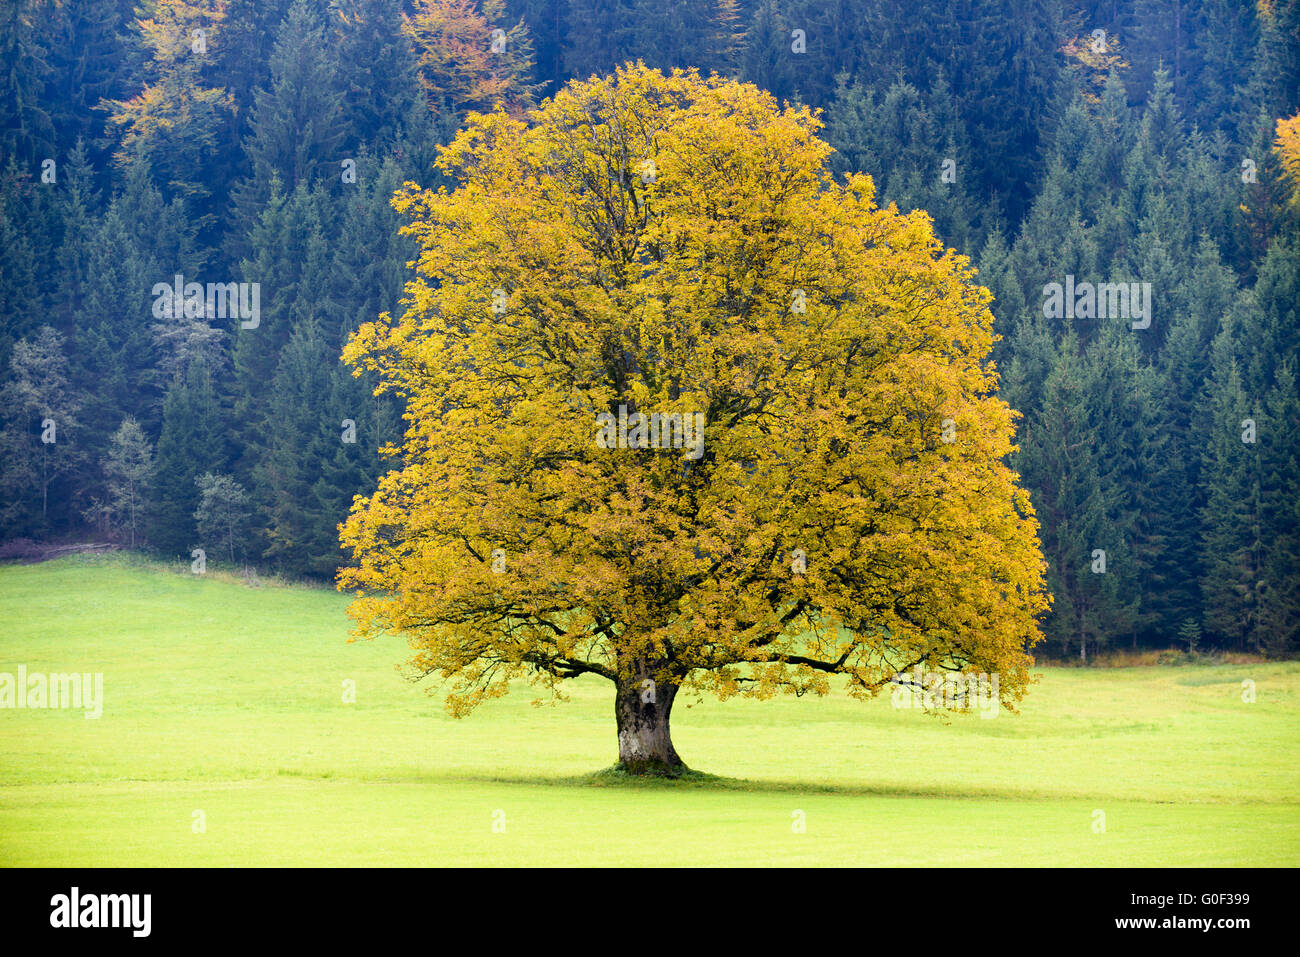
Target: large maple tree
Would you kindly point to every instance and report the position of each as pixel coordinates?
(662, 245)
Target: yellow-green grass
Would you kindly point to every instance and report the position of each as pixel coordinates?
(228, 699)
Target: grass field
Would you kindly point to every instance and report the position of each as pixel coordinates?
(227, 699)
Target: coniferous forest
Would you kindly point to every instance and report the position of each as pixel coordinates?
(1124, 175)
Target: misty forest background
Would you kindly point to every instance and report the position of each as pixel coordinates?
(1147, 160)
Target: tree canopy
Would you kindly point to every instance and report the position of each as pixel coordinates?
(676, 249)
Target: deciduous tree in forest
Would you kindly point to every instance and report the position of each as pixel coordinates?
(223, 511)
(39, 446)
(175, 120)
(128, 467)
(1287, 146)
(676, 247)
(469, 58)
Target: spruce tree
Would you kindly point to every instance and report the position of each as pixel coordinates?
(22, 296)
(79, 209)
(376, 74)
(26, 130)
(292, 442)
(767, 59)
(598, 36)
(192, 443)
(1232, 544)
(1279, 616)
(141, 242)
(290, 261)
(1072, 461)
(93, 56)
(298, 126)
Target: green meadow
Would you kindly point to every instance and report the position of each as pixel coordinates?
(225, 740)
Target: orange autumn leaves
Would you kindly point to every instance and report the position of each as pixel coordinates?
(463, 64)
(676, 245)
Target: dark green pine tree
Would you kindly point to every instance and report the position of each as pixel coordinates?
(598, 38)
(140, 243)
(92, 57)
(1117, 127)
(1126, 422)
(766, 58)
(1074, 149)
(324, 430)
(1160, 259)
(79, 209)
(851, 125)
(192, 442)
(1263, 212)
(298, 126)
(997, 274)
(1159, 35)
(243, 55)
(1153, 166)
(1166, 510)
(1231, 550)
(317, 443)
(1213, 302)
(1280, 515)
(26, 130)
(1211, 294)
(368, 273)
(291, 262)
(1055, 464)
(346, 468)
(376, 74)
(1005, 71)
(1286, 16)
(914, 147)
(1162, 121)
(1211, 178)
(1274, 87)
(1267, 335)
(1102, 134)
(1054, 243)
(293, 443)
(1033, 354)
(22, 270)
(690, 33)
(291, 259)
(1223, 60)
(1073, 466)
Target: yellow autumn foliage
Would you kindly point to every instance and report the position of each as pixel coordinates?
(1287, 146)
(676, 245)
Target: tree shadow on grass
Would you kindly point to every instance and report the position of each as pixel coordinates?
(691, 780)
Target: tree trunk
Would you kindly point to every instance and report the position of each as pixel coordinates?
(641, 707)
